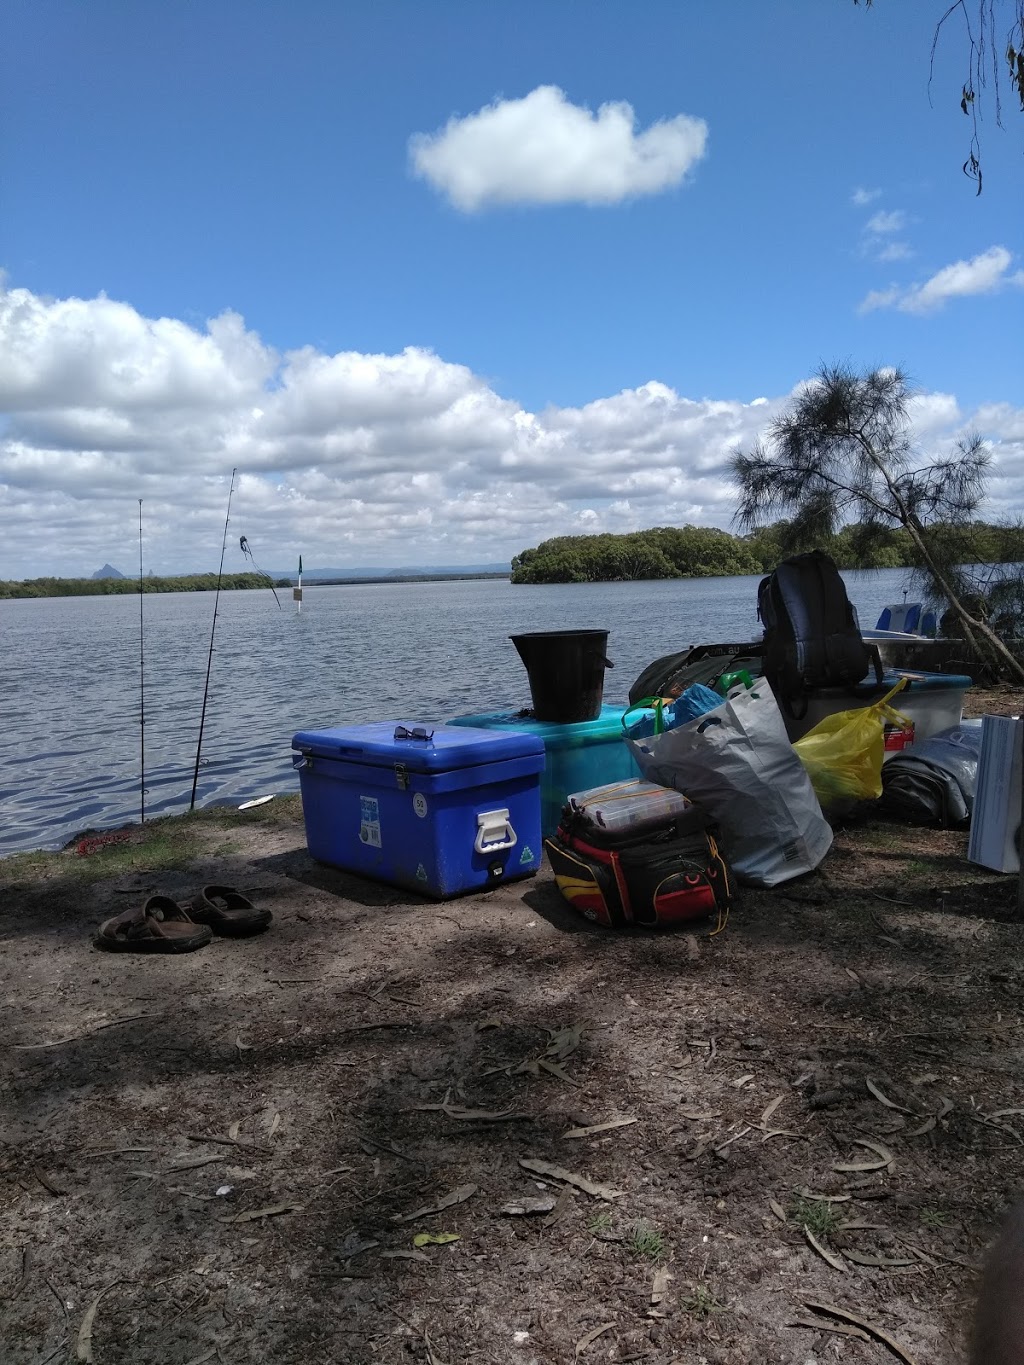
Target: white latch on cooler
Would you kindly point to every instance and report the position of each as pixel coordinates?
(493, 831)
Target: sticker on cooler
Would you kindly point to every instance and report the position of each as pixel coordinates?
(369, 821)
(419, 805)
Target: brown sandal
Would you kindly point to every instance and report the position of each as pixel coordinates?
(160, 926)
(228, 912)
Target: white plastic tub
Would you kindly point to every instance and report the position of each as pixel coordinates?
(933, 701)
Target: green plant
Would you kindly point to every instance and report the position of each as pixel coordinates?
(600, 1222)
(815, 1215)
(918, 867)
(646, 1241)
(934, 1218)
(702, 1302)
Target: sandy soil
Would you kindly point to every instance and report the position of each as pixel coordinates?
(227, 1156)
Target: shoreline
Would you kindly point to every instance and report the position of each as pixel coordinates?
(1002, 700)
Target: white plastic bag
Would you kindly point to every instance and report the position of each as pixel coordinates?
(738, 763)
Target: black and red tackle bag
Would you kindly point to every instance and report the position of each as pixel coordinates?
(659, 877)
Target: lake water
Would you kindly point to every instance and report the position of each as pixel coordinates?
(69, 678)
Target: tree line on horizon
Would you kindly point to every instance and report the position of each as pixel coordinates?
(110, 587)
(710, 552)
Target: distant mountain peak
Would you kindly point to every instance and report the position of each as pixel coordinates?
(108, 571)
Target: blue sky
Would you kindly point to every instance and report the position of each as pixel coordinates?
(553, 324)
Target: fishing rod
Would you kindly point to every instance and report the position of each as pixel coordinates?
(213, 629)
(142, 689)
(243, 545)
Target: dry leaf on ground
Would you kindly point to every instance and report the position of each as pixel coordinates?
(598, 1128)
(591, 1336)
(830, 1311)
(519, 1208)
(457, 1196)
(581, 1182)
(435, 1239)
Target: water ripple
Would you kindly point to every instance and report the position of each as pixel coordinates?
(70, 737)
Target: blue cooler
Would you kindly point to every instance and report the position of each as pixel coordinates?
(579, 755)
(441, 811)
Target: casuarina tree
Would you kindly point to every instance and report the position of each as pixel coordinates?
(844, 451)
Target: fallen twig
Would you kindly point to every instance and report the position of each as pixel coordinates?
(47, 1181)
(86, 1033)
(840, 1328)
(877, 1332)
(269, 1211)
(391, 1149)
(593, 1128)
(225, 1141)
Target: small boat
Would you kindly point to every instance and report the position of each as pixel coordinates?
(908, 618)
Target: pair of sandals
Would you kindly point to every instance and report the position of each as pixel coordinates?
(164, 926)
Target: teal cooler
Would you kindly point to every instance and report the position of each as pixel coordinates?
(578, 756)
(443, 811)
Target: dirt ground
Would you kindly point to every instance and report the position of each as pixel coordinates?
(228, 1155)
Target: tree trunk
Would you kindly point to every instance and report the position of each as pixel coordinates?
(980, 635)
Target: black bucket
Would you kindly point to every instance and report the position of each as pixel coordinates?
(566, 671)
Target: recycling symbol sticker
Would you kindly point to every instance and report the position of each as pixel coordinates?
(421, 873)
(527, 854)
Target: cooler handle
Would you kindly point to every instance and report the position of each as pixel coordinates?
(494, 831)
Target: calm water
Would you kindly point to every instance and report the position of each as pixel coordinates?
(69, 678)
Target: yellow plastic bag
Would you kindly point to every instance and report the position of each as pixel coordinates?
(843, 753)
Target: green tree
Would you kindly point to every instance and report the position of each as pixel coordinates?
(845, 446)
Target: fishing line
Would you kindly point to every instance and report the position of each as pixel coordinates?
(213, 628)
(243, 545)
(142, 689)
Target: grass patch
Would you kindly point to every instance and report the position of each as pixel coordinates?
(646, 1241)
(600, 1222)
(167, 843)
(876, 836)
(917, 867)
(702, 1303)
(935, 1218)
(815, 1215)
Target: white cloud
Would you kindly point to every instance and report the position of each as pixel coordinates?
(894, 251)
(350, 459)
(862, 197)
(986, 273)
(886, 221)
(544, 150)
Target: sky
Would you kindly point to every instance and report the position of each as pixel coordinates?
(443, 280)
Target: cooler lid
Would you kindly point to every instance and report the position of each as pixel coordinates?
(422, 748)
(918, 681)
(607, 725)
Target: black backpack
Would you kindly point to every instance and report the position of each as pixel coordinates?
(811, 637)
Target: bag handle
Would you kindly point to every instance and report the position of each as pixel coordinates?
(657, 704)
